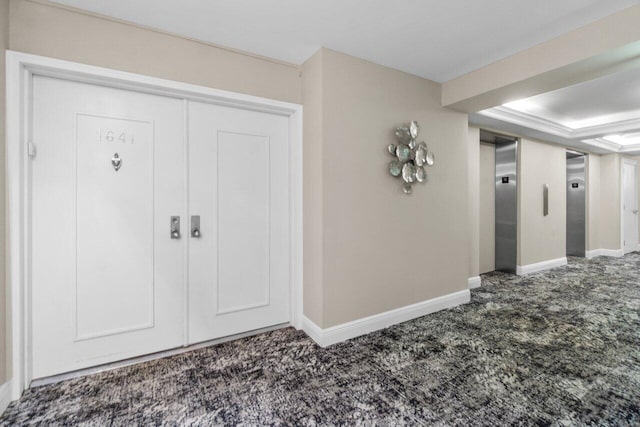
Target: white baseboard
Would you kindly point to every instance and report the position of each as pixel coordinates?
(605, 252)
(356, 328)
(612, 252)
(540, 266)
(474, 282)
(5, 396)
(592, 253)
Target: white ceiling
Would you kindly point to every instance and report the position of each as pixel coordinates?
(435, 39)
(626, 140)
(612, 98)
(602, 115)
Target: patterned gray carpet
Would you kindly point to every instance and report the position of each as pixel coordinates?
(555, 348)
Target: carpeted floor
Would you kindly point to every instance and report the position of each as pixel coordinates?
(559, 347)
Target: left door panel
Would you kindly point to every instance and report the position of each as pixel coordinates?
(107, 279)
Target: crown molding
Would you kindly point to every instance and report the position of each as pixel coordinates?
(604, 143)
(622, 126)
(527, 120)
(592, 135)
(630, 148)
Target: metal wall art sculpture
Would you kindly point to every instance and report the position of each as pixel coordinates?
(411, 158)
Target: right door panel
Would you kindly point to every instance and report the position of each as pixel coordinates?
(239, 259)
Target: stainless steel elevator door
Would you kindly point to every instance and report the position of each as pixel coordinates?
(576, 205)
(506, 206)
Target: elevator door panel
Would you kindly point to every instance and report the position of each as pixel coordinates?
(487, 188)
(576, 205)
(506, 207)
(106, 279)
(239, 187)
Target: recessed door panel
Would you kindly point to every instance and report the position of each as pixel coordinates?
(239, 187)
(114, 225)
(243, 222)
(107, 282)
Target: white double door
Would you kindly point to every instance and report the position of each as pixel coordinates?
(109, 279)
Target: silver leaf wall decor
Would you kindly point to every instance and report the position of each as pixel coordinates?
(410, 157)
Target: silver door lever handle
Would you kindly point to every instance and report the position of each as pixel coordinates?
(195, 226)
(635, 211)
(175, 227)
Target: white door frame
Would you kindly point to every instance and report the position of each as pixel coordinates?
(634, 163)
(20, 71)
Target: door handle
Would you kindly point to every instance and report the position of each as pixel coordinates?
(195, 226)
(635, 211)
(175, 227)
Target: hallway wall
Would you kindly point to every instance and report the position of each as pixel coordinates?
(381, 248)
(475, 223)
(609, 230)
(58, 32)
(593, 202)
(312, 85)
(541, 238)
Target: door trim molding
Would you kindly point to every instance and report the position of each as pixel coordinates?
(540, 266)
(345, 331)
(20, 69)
(633, 163)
